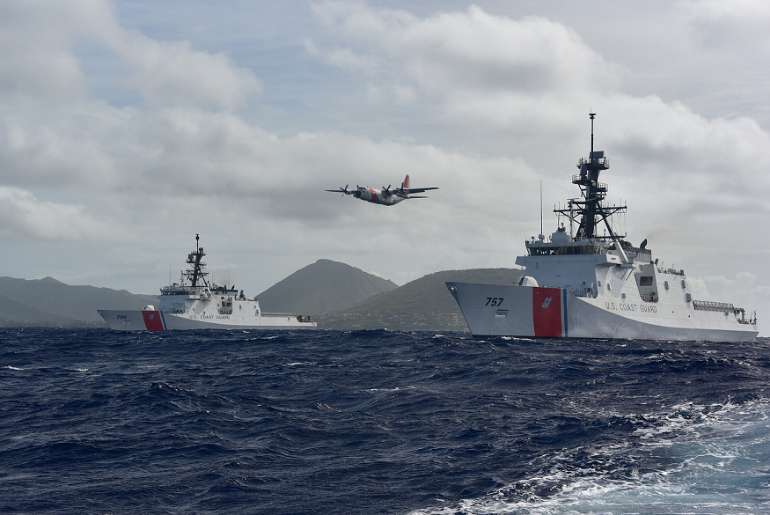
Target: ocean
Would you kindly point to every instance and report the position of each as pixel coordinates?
(422, 423)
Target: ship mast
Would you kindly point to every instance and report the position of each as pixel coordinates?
(194, 259)
(590, 207)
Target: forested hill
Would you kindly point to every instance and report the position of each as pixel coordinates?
(48, 302)
(322, 287)
(423, 304)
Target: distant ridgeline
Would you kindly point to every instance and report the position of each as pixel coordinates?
(49, 303)
(421, 305)
(338, 296)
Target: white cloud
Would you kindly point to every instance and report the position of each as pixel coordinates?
(530, 77)
(456, 52)
(65, 149)
(36, 42)
(723, 10)
(22, 216)
(172, 73)
(486, 67)
(41, 43)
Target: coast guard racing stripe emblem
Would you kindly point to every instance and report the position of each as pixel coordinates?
(153, 320)
(547, 315)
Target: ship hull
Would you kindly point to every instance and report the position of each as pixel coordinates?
(152, 320)
(492, 310)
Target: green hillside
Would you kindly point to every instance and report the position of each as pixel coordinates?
(16, 314)
(322, 287)
(48, 302)
(423, 304)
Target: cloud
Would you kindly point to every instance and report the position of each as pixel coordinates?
(726, 11)
(528, 78)
(172, 73)
(486, 67)
(24, 217)
(219, 157)
(41, 43)
(36, 41)
(474, 51)
(470, 51)
(60, 148)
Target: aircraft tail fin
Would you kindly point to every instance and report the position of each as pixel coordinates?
(404, 191)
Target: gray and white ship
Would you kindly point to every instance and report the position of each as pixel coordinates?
(194, 303)
(582, 285)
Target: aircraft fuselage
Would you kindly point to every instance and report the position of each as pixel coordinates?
(376, 196)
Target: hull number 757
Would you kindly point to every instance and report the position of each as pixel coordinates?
(494, 301)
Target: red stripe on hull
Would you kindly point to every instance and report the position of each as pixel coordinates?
(546, 312)
(152, 320)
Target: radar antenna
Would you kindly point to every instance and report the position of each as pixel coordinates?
(194, 260)
(590, 207)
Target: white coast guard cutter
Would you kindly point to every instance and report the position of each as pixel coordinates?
(588, 286)
(195, 304)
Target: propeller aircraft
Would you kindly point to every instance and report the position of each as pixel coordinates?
(384, 196)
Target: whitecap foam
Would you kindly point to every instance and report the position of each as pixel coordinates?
(718, 465)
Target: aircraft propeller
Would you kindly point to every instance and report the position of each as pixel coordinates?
(342, 190)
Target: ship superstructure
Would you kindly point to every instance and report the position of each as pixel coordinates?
(583, 284)
(196, 303)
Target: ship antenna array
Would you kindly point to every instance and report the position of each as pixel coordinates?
(198, 266)
(541, 207)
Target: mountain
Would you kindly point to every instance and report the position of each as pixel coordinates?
(48, 302)
(321, 287)
(14, 314)
(423, 304)
(338, 296)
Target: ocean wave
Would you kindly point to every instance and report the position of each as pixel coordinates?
(379, 422)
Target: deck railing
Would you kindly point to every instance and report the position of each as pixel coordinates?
(703, 305)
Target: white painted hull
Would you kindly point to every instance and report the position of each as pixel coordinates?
(534, 312)
(152, 320)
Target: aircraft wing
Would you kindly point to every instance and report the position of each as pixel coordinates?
(346, 191)
(409, 191)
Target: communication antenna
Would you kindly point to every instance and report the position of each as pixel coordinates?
(541, 208)
(592, 115)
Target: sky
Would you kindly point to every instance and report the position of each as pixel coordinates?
(127, 127)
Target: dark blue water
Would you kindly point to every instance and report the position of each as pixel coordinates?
(93, 421)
